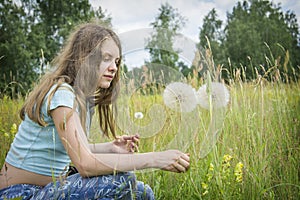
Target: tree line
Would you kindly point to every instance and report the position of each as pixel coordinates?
(31, 34)
(257, 38)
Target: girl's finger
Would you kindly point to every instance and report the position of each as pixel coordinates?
(126, 137)
(178, 168)
(137, 136)
(137, 142)
(181, 165)
(134, 147)
(133, 138)
(186, 157)
(184, 163)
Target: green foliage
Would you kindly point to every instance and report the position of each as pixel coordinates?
(211, 35)
(166, 25)
(57, 19)
(266, 30)
(257, 36)
(9, 120)
(15, 48)
(256, 157)
(211, 28)
(32, 32)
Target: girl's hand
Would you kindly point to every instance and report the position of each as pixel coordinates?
(126, 144)
(173, 161)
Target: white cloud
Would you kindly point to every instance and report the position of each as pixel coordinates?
(133, 14)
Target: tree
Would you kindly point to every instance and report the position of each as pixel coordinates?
(166, 25)
(32, 33)
(211, 30)
(211, 37)
(59, 17)
(15, 48)
(259, 36)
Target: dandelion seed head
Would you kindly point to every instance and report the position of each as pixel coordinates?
(219, 95)
(180, 96)
(138, 115)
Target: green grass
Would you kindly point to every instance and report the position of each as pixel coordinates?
(261, 130)
(9, 117)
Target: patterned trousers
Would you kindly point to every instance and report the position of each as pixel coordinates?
(117, 186)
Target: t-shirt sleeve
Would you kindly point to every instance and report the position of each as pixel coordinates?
(62, 97)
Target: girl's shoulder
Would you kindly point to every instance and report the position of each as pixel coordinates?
(60, 95)
(63, 86)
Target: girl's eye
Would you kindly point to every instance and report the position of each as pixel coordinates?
(106, 59)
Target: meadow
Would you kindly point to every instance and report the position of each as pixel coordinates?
(256, 156)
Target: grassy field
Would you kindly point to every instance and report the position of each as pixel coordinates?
(257, 154)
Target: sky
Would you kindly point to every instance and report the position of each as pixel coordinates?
(135, 16)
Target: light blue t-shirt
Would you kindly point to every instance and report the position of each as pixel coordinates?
(39, 149)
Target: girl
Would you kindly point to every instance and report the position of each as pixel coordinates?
(56, 118)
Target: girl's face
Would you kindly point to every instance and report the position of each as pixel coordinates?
(108, 66)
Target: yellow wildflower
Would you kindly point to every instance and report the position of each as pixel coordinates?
(6, 134)
(205, 187)
(13, 129)
(210, 172)
(226, 161)
(211, 167)
(238, 172)
(226, 167)
(205, 192)
(227, 158)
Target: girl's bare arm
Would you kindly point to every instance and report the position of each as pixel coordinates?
(122, 144)
(93, 164)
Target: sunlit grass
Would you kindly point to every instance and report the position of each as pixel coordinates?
(9, 118)
(260, 135)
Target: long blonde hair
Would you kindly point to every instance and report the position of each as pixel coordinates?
(77, 65)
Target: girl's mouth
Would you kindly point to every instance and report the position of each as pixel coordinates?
(110, 77)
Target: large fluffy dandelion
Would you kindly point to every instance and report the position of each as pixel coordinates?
(180, 97)
(217, 91)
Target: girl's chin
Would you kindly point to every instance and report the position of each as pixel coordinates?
(104, 85)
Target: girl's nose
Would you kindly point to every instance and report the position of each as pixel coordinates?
(113, 67)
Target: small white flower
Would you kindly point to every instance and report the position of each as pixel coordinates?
(138, 115)
(219, 95)
(180, 96)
